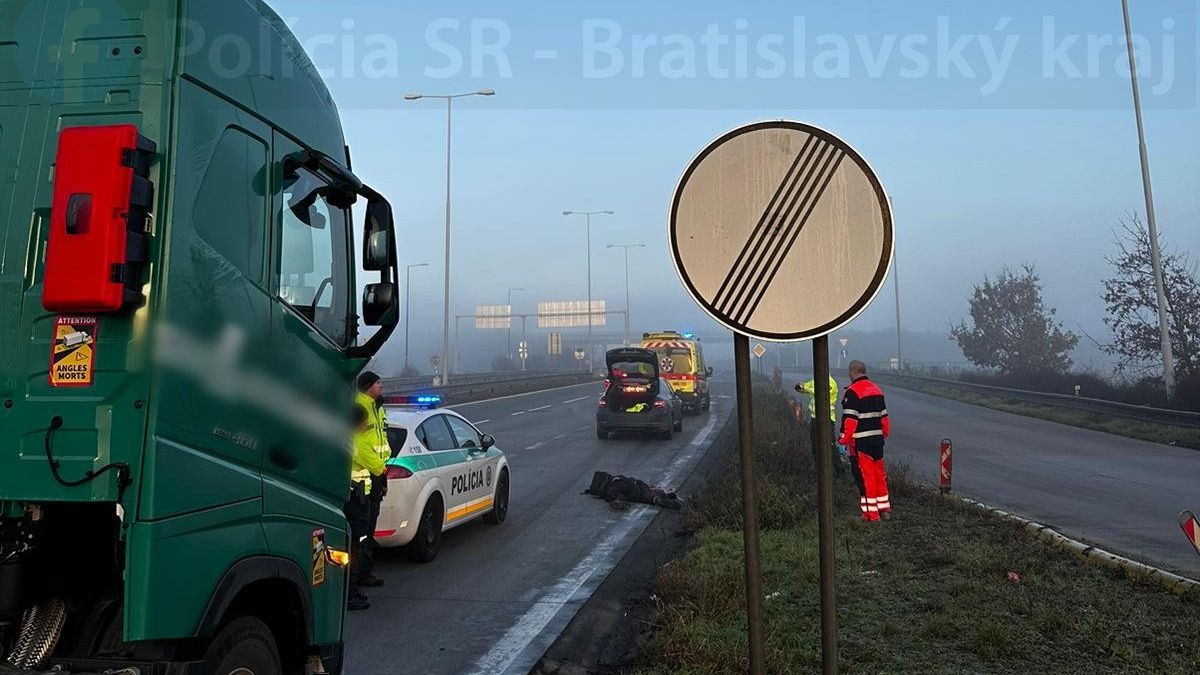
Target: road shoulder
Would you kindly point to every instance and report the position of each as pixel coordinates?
(609, 631)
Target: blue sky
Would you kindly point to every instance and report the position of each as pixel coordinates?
(1002, 131)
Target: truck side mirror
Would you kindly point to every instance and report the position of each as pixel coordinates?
(380, 304)
(377, 240)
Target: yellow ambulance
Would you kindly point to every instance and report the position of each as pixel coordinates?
(681, 362)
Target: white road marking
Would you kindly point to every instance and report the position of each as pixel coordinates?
(574, 400)
(528, 393)
(545, 407)
(535, 446)
(519, 412)
(600, 561)
(482, 422)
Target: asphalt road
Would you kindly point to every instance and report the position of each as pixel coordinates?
(496, 597)
(1118, 493)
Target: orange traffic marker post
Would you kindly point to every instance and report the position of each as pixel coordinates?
(1191, 528)
(947, 453)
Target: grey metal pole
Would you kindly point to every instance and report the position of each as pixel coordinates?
(446, 294)
(829, 653)
(589, 290)
(626, 296)
(1164, 329)
(407, 305)
(896, 285)
(750, 537)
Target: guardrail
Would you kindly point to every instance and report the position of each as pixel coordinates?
(1177, 418)
(476, 386)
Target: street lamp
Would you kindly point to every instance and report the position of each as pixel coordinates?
(407, 304)
(588, 215)
(1164, 332)
(508, 332)
(626, 247)
(449, 99)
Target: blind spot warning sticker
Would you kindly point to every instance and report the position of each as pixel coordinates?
(73, 352)
(318, 557)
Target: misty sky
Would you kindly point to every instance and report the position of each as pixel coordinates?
(1002, 131)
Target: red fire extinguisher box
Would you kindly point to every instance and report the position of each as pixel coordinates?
(98, 241)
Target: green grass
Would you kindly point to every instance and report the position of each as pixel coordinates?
(926, 592)
(1155, 433)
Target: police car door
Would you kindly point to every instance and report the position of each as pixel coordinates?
(478, 480)
(448, 461)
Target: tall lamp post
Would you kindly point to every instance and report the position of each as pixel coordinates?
(626, 248)
(449, 99)
(508, 332)
(407, 304)
(588, 215)
(1164, 332)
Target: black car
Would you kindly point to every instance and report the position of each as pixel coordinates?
(636, 398)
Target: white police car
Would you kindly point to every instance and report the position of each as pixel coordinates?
(444, 472)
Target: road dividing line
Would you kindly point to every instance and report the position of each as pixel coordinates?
(576, 400)
(532, 625)
(545, 407)
(482, 422)
(527, 393)
(519, 412)
(535, 446)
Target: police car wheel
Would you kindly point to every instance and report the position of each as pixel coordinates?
(601, 434)
(500, 502)
(245, 645)
(667, 434)
(424, 546)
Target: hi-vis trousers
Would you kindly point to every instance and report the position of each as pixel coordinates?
(873, 498)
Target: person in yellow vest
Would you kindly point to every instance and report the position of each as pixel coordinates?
(373, 439)
(357, 509)
(810, 387)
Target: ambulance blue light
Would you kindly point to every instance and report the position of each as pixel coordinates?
(689, 335)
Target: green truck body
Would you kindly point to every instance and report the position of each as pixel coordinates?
(210, 398)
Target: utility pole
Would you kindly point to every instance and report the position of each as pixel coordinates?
(588, 215)
(508, 330)
(449, 99)
(407, 304)
(1164, 329)
(626, 248)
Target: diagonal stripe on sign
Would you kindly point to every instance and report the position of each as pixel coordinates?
(795, 226)
(786, 226)
(807, 193)
(798, 168)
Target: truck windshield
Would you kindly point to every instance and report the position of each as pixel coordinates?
(313, 275)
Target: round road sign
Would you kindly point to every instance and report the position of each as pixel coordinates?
(781, 231)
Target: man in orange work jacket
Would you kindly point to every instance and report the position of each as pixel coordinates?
(865, 425)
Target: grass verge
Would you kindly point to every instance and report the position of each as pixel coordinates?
(1155, 433)
(929, 591)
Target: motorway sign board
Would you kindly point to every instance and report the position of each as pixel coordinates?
(781, 231)
(759, 350)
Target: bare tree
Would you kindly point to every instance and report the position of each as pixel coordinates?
(1133, 309)
(1011, 328)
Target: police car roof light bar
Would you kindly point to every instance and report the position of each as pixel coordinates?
(413, 400)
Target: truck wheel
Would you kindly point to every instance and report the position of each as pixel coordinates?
(500, 502)
(244, 647)
(424, 546)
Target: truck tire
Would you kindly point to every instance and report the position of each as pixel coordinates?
(500, 502)
(245, 646)
(424, 546)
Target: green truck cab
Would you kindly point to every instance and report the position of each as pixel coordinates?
(179, 333)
